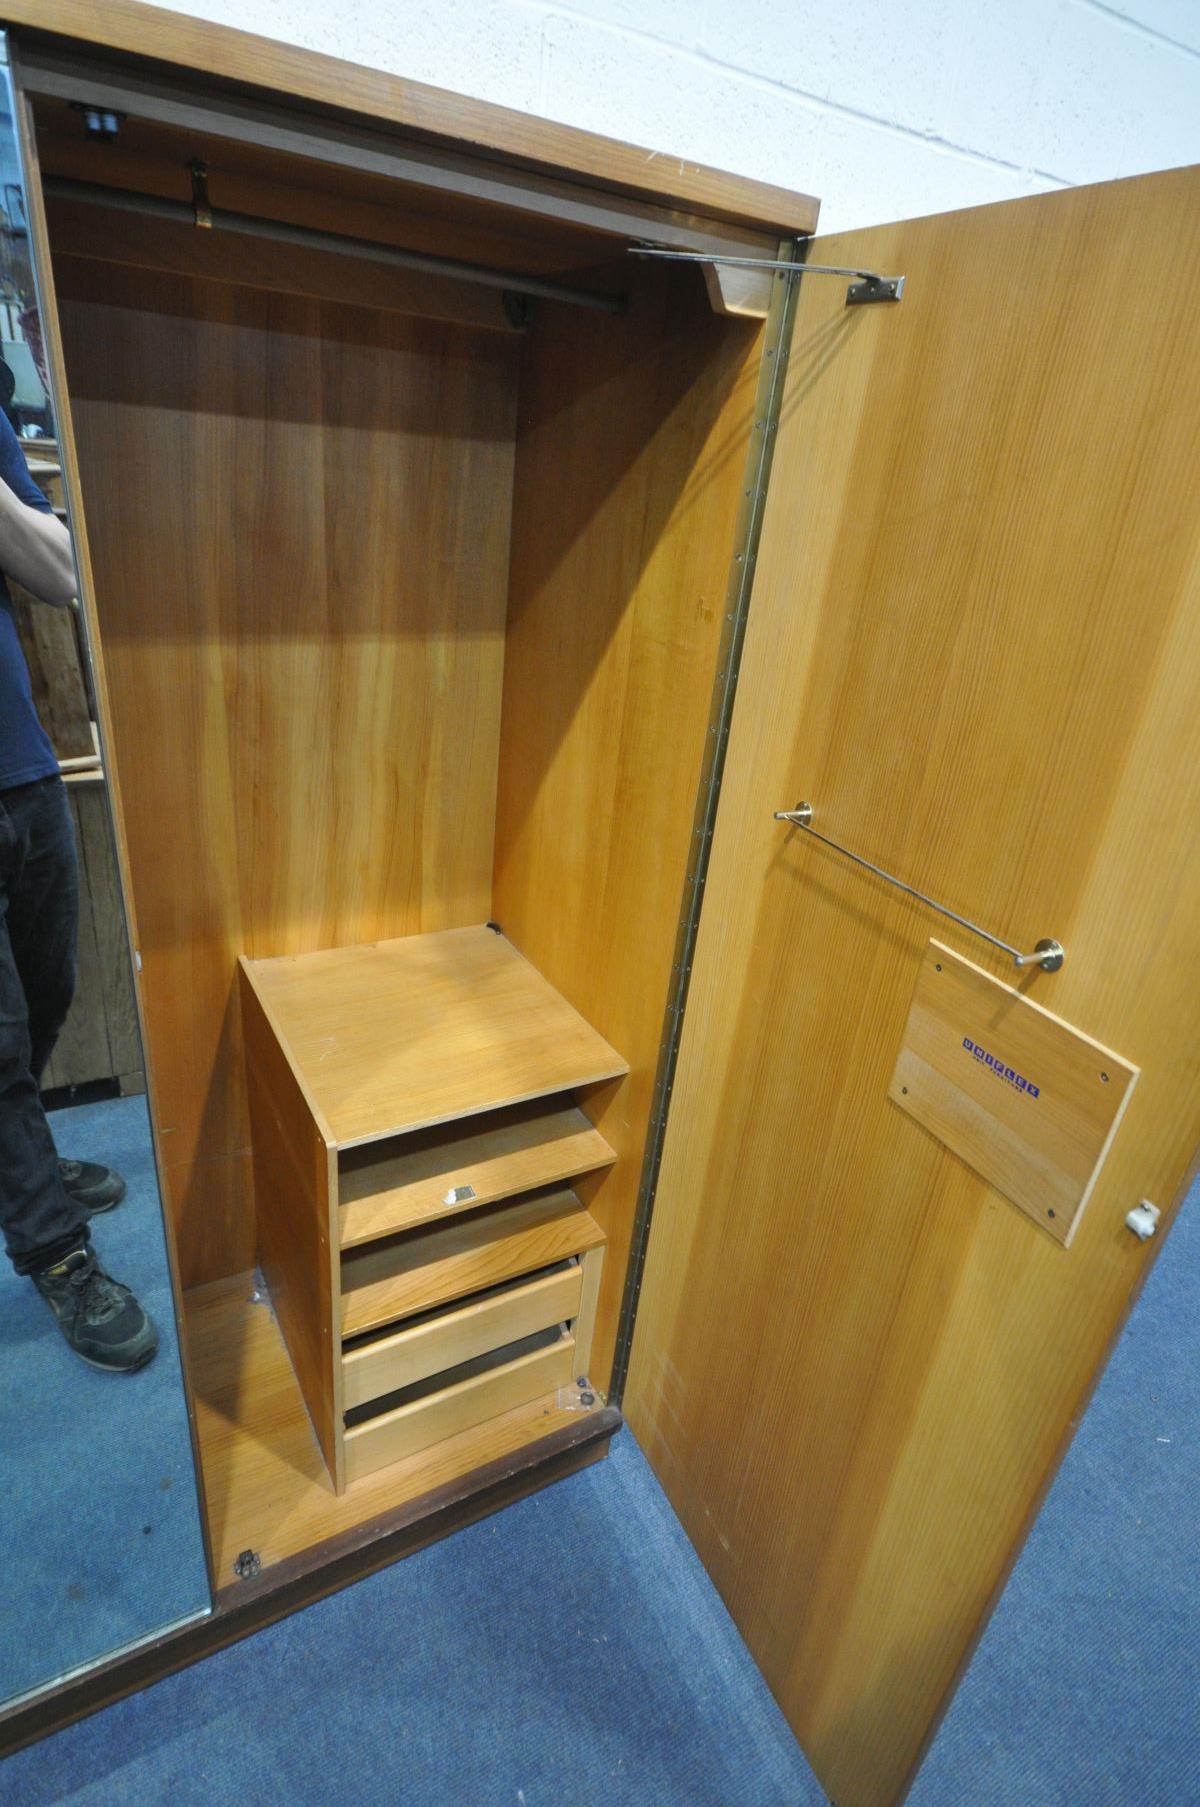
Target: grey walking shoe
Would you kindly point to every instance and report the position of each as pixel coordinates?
(100, 1318)
(94, 1187)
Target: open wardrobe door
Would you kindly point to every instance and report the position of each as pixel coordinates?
(890, 1251)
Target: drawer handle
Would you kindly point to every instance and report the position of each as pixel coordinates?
(1048, 954)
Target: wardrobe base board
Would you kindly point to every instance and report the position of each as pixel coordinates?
(266, 1486)
(558, 1441)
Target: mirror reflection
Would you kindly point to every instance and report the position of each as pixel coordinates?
(101, 1537)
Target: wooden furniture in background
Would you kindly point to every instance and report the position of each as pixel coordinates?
(99, 1042)
(445, 1316)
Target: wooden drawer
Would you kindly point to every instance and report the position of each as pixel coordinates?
(483, 1395)
(457, 1335)
(407, 1181)
(384, 1282)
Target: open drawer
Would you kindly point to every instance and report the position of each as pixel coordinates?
(493, 1383)
(446, 1326)
(436, 1341)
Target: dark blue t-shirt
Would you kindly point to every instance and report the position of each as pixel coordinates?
(25, 751)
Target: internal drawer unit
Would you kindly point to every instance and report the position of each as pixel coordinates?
(418, 1113)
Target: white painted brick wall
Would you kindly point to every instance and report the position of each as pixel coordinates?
(883, 108)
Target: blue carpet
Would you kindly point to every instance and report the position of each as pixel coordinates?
(101, 1530)
(1085, 1689)
(571, 1651)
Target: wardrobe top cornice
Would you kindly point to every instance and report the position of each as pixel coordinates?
(428, 113)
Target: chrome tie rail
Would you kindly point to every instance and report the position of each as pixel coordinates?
(1048, 954)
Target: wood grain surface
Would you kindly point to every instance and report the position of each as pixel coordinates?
(108, 235)
(299, 518)
(151, 156)
(397, 1185)
(1020, 1095)
(384, 1282)
(450, 1337)
(974, 646)
(295, 1183)
(50, 641)
(100, 1038)
(408, 1429)
(397, 1035)
(584, 1326)
(631, 464)
(266, 1482)
(502, 132)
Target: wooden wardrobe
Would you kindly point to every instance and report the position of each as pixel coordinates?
(470, 626)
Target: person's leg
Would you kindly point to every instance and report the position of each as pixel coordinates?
(43, 930)
(41, 1223)
(45, 1228)
(43, 912)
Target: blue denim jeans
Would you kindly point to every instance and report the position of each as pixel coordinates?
(39, 912)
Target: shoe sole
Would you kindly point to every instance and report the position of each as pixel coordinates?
(98, 1210)
(108, 1368)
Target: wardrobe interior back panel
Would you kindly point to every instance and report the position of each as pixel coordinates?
(299, 513)
(631, 464)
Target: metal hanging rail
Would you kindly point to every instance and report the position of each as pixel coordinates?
(870, 285)
(199, 213)
(1048, 954)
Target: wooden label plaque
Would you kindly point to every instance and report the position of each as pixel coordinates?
(1023, 1098)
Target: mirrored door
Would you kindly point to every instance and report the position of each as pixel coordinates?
(101, 1541)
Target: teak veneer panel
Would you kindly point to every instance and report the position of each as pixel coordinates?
(974, 647)
(296, 1189)
(514, 1152)
(502, 132)
(398, 1035)
(632, 453)
(385, 1282)
(266, 1485)
(299, 517)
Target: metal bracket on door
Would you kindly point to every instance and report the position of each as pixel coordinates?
(201, 205)
(874, 288)
(869, 287)
(1048, 954)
